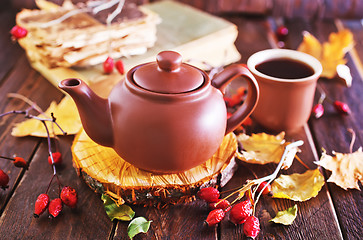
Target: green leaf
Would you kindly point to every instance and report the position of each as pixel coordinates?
(138, 225)
(286, 217)
(114, 211)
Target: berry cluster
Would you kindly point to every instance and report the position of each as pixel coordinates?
(239, 213)
(234, 102)
(68, 197)
(236, 99)
(109, 64)
(242, 211)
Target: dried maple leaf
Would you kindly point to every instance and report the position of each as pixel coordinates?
(67, 117)
(331, 53)
(263, 148)
(298, 187)
(347, 169)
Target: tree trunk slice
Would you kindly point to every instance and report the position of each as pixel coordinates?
(106, 172)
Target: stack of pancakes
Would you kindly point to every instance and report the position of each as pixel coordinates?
(85, 39)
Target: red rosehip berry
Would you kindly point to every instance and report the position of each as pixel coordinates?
(318, 110)
(281, 33)
(209, 194)
(228, 101)
(241, 91)
(108, 65)
(69, 196)
(55, 207)
(233, 101)
(247, 122)
(251, 228)
(221, 204)
(41, 204)
(120, 67)
(240, 212)
(57, 158)
(342, 107)
(214, 217)
(18, 32)
(4, 179)
(20, 162)
(266, 190)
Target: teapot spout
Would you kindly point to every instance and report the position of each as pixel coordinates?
(94, 111)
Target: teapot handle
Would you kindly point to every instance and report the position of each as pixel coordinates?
(222, 79)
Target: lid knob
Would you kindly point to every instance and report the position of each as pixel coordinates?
(169, 61)
(168, 75)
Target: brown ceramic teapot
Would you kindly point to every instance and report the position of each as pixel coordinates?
(166, 117)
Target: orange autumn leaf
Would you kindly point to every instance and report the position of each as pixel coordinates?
(263, 148)
(331, 53)
(66, 116)
(346, 168)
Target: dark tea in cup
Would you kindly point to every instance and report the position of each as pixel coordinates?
(285, 68)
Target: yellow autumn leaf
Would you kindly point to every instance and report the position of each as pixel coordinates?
(263, 148)
(310, 45)
(286, 217)
(66, 116)
(298, 187)
(347, 169)
(331, 53)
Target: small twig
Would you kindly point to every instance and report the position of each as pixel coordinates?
(116, 12)
(302, 162)
(109, 20)
(353, 139)
(13, 112)
(256, 182)
(50, 182)
(49, 147)
(103, 6)
(64, 17)
(94, 8)
(322, 94)
(59, 184)
(7, 158)
(27, 115)
(36, 107)
(272, 176)
(27, 100)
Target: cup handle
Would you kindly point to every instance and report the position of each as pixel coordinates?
(222, 79)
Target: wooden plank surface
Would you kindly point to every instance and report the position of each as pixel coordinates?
(331, 131)
(313, 214)
(333, 214)
(19, 208)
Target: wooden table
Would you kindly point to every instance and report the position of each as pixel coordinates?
(333, 214)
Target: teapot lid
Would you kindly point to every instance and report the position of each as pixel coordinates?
(168, 75)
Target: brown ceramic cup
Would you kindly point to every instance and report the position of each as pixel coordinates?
(285, 101)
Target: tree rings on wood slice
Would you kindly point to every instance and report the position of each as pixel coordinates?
(106, 172)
